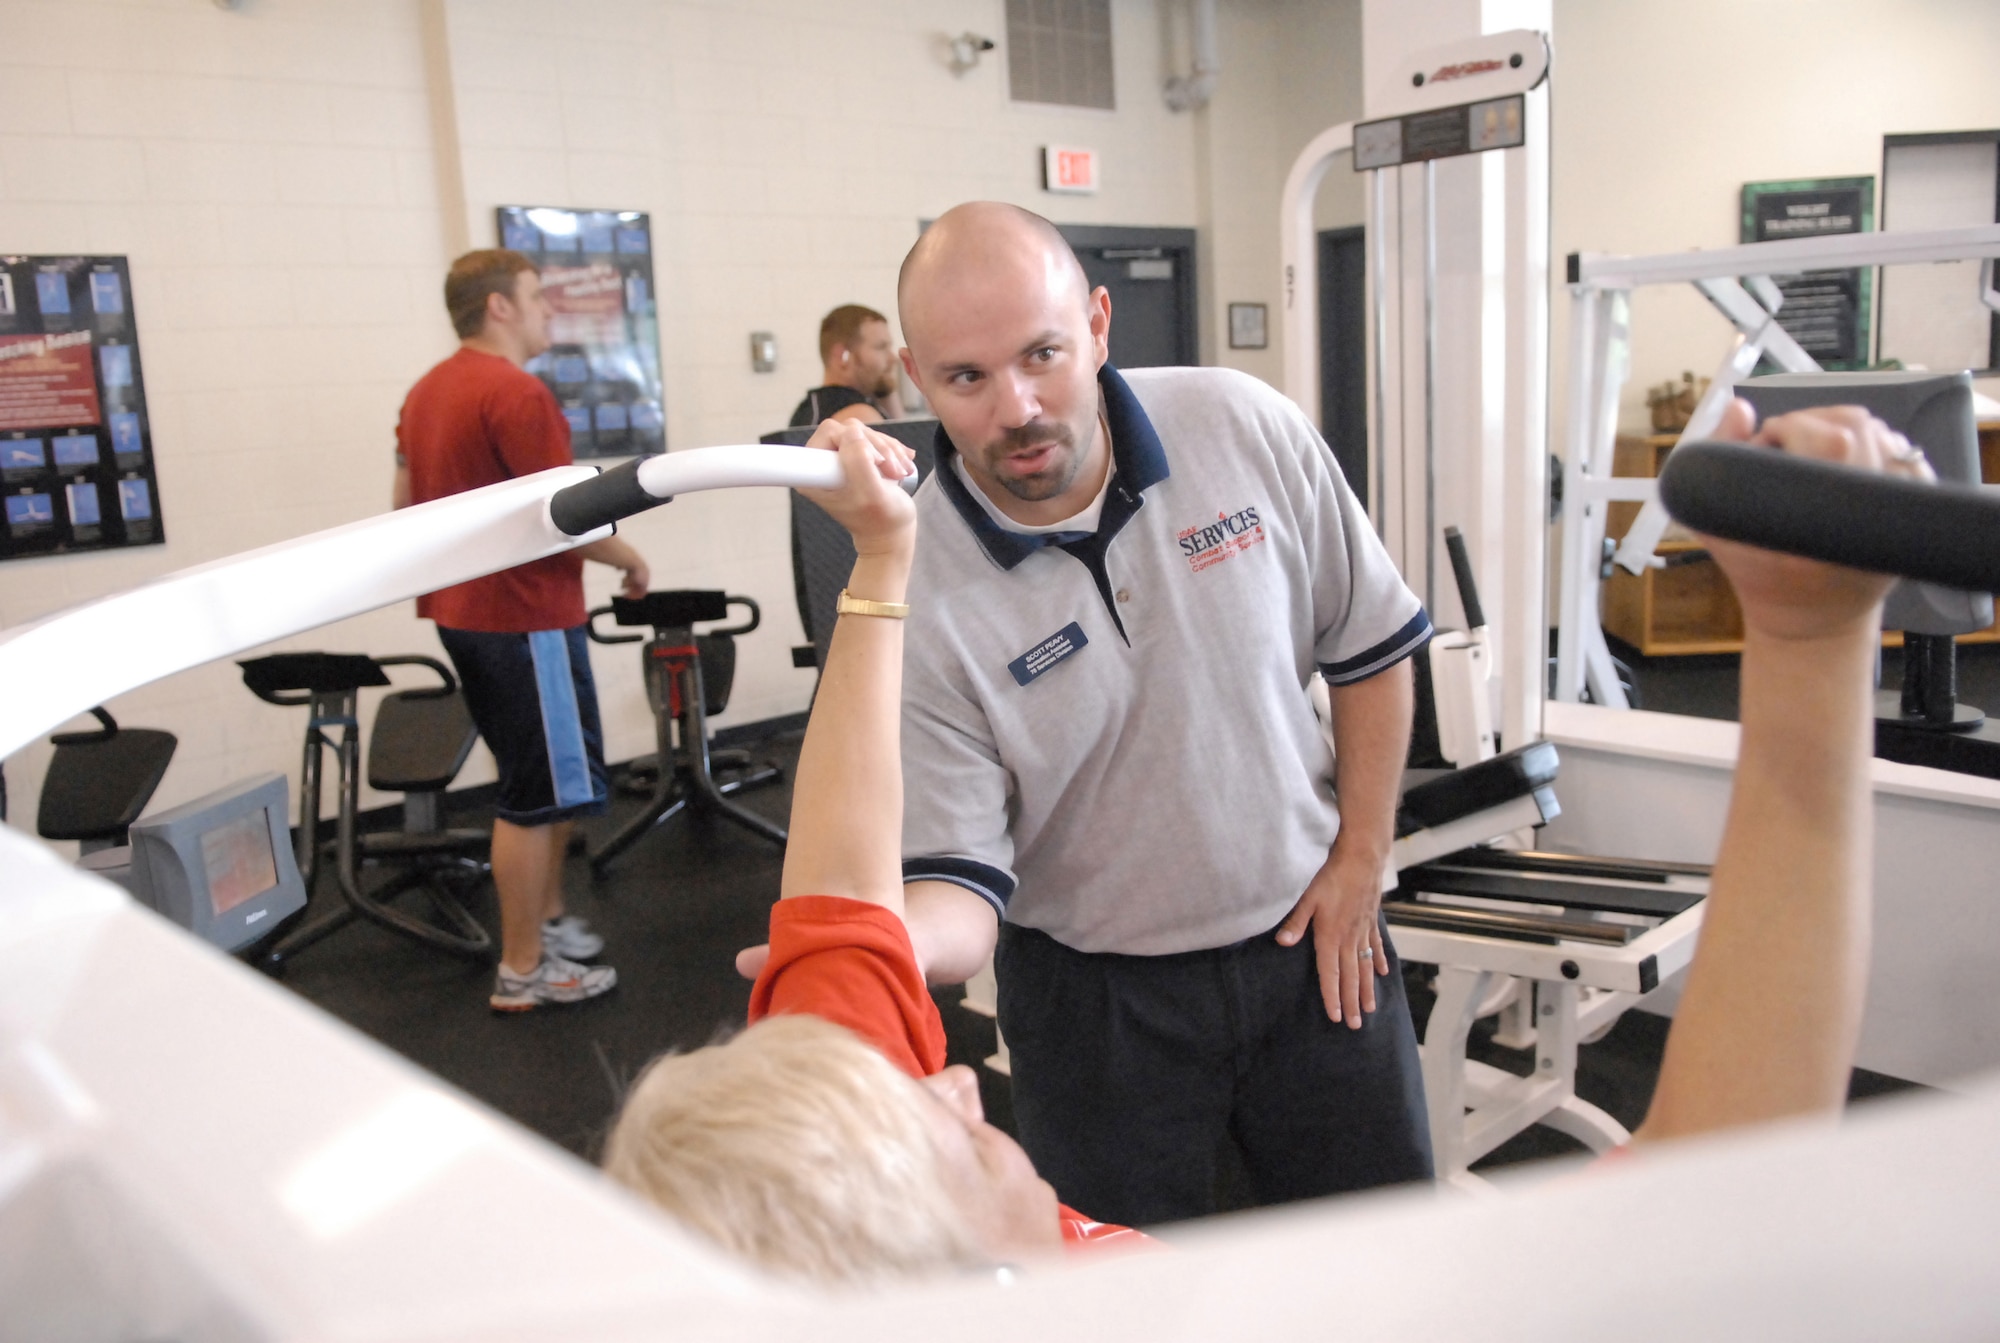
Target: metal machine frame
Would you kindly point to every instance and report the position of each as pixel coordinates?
(1737, 281)
(1491, 465)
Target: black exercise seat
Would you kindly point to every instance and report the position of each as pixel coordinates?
(1521, 772)
(420, 740)
(99, 781)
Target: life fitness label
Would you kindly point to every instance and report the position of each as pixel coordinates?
(1210, 543)
(1069, 169)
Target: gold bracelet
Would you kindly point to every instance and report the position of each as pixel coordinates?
(861, 606)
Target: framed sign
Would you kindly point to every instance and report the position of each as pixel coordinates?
(604, 364)
(76, 444)
(1249, 326)
(1826, 311)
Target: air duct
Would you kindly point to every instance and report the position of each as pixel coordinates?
(1186, 92)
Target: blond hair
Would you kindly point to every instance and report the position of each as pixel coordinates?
(799, 1146)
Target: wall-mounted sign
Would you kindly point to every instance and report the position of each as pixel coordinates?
(76, 444)
(1825, 311)
(1441, 133)
(1068, 169)
(604, 365)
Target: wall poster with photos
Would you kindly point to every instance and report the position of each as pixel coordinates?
(604, 364)
(76, 445)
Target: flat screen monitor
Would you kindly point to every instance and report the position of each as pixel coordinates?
(221, 866)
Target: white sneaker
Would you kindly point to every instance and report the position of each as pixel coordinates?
(570, 938)
(555, 980)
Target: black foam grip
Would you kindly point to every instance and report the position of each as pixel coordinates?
(601, 500)
(1468, 588)
(1945, 534)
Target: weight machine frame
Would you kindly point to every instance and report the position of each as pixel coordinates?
(1737, 281)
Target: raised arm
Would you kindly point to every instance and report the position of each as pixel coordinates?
(1767, 1026)
(847, 794)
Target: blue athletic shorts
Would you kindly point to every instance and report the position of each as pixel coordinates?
(535, 703)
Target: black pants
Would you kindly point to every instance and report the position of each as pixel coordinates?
(1130, 1073)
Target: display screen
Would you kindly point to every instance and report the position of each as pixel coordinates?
(237, 858)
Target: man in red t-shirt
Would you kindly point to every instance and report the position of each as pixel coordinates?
(516, 637)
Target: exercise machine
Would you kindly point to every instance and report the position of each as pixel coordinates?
(1560, 946)
(194, 1153)
(420, 741)
(1736, 281)
(688, 677)
(1453, 158)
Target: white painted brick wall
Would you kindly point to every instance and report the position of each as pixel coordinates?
(270, 172)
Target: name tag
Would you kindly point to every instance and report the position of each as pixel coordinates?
(1047, 653)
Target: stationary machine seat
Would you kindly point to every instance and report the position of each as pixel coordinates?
(1456, 809)
(688, 677)
(99, 781)
(420, 741)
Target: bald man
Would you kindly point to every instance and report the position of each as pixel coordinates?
(1112, 766)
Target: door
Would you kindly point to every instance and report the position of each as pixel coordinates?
(1150, 275)
(1343, 351)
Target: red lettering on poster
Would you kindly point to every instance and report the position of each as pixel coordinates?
(47, 382)
(588, 303)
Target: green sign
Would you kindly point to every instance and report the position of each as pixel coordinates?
(1827, 312)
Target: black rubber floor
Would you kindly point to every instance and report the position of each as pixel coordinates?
(674, 912)
(1704, 686)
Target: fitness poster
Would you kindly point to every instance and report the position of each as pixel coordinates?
(1825, 311)
(604, 365)
(76, 447)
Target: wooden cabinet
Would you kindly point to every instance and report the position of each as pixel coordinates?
(1687, 607)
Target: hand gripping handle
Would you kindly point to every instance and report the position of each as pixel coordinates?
(1944, 534)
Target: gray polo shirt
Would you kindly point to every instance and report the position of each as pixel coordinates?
(1107, 734)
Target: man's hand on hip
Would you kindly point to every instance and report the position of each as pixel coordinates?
(1339, 907)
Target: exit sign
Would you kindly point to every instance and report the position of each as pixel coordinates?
(1068, 169)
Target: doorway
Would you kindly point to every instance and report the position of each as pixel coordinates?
(1343, 351)
(1150, 275)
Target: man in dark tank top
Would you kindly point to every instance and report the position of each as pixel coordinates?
(859, 381)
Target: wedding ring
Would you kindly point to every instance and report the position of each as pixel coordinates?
(1902, 450)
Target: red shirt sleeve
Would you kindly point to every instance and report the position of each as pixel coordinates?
(852, 963)
(527, 428)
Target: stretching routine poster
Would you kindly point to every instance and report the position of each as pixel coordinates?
(604, 365)
(76, 447)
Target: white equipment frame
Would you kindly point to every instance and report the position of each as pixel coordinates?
(58, 667)
(1737, 281)
(1570, 992)
(1496, 457)
(188, 1150)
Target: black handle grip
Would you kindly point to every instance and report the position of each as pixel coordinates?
(447, 683)
(601, 500)
(590, 628)
(756, 616)
(1461, 569)
(1945, 534)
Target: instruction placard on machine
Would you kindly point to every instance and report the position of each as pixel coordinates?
(1441, 133)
